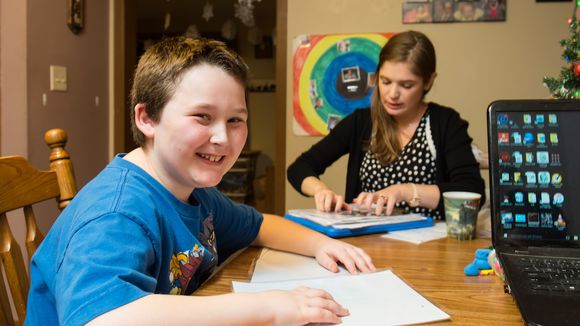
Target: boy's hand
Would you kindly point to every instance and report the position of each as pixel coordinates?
(354, 259)
(302, 306)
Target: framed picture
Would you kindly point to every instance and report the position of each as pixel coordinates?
(414, 13)
(350, 74)
(455, 11)
(75, 16)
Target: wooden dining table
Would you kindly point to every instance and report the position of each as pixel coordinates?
(433, 268)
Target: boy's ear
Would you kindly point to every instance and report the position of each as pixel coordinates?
(143, 122)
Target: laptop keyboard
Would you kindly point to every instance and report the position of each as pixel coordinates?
(553, 275)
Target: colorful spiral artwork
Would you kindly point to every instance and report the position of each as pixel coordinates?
(333, 75)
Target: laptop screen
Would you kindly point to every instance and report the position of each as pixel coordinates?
(534, 153)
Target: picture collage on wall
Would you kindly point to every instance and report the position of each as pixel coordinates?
(453, 11)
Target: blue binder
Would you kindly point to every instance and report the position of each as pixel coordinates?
(339, 233)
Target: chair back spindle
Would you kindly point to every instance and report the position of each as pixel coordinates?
(22, 186)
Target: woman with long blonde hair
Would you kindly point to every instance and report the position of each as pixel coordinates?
(403, 152)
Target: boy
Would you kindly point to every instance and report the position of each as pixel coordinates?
(151, 223)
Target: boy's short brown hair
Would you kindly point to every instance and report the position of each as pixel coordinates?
(160, 69)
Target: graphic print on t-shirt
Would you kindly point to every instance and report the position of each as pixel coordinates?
(183, 266)
(195, 264)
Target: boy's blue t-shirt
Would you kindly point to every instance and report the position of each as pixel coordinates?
(125, 236)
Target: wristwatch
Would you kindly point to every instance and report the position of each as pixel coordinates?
(415, 201)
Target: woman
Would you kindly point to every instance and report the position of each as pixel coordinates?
(403, 152)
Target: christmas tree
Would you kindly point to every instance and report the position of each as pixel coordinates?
(568, 85)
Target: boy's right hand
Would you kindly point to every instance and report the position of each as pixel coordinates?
(303, 306)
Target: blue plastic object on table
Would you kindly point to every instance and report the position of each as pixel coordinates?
(479, 263)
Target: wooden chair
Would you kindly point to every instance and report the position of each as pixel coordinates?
(21, 186)
(238, 182)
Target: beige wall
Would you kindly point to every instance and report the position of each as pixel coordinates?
(13, 77)
(50, 42)
(35, 36)
(477, 62)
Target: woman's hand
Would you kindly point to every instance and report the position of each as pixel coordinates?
(301, 306)
(327, 200)
(385, 199)
(354, 259)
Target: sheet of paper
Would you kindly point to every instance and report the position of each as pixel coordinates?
(379, 298)
(274, 265)
(418, 236)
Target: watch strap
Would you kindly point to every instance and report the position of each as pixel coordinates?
(415, 200)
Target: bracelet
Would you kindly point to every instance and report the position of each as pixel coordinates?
(416, 200)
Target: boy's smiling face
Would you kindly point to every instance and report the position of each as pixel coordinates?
(201, 131)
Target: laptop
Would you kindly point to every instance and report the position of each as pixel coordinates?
(534, 154)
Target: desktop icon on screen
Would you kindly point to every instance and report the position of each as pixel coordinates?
(507, 217)
(530, 177)
(519, 197)
(528, 138)
(553, 137)
(502, 120)
(517, 157)
(532, 198)
(505, 177)
(517, 138)
(544, 177)
(518, 178)
(529, 157)
(558, 199)
(503, 137)
(541, 138)
(543, 157)
(556, 178)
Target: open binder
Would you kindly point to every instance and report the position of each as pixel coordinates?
(339, 225)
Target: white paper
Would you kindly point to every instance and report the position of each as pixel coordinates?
(274, 265)
(379, 298)
(418, 236)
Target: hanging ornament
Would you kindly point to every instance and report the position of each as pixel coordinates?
(167, 21)
(577, 70)
(192, 32)
(207, 11)
(244, 10)
(229, 30)
(245, 13)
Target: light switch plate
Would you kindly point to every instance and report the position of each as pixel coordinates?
(58, 79)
